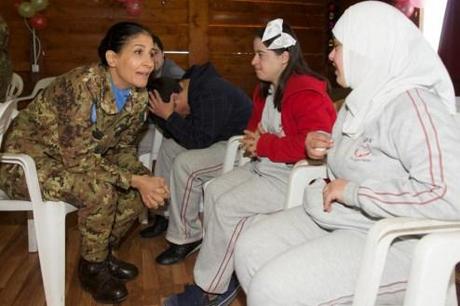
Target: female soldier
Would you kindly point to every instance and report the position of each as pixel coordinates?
(394, 153)
(81, 133)
(290, 101)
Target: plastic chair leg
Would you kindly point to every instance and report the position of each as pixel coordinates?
(431, 280)
(31, 237)
(451, 299)
(50, 231)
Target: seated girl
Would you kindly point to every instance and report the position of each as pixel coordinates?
(394, 152)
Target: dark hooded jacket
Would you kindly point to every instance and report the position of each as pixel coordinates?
(218, 110)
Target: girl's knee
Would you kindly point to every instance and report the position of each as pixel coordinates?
(213, 188)
(212, 193)
(264, 290)
(276, 283)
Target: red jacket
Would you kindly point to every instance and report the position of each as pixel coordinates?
(305, 107)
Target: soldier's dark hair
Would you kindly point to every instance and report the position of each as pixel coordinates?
(165, 87)
(117, 36)
(158, 42)
(296, 64)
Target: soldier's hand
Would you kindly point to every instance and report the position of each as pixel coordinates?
(154, 199)
(158, 107)
(153, 189)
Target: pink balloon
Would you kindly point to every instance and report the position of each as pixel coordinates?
(134, 8)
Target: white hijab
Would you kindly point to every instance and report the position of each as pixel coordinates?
(384, 54)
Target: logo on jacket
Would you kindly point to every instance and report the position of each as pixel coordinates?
(363, 151)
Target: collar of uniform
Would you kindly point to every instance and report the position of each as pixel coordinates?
(108, 102)
(137, 99)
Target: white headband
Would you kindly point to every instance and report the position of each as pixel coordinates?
(275, 28)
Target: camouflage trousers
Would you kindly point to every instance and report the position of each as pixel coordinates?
(105, 212)
(5, 74)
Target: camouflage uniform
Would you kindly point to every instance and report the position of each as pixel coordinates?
(5, 62)
(85, 164)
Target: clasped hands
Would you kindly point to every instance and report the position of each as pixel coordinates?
(153, 189)
(249, 141)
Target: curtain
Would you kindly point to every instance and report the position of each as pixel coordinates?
(449, 45)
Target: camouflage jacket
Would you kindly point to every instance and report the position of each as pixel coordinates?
(5, 62)
(56, 129)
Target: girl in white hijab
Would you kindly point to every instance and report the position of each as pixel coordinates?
(394, 152)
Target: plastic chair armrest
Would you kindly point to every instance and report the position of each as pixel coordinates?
(300, 176)
(233, 145)
(379, 239)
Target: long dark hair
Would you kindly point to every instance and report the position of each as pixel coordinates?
(117, 36)
(296, 64)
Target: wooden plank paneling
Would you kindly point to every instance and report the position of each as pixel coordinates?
(239, 39)
(76, 27)
(197, 30)
(236, 69)
(231, 12)
(232, 27)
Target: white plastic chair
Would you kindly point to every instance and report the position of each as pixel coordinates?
(47, 230)
(432, 274)
(147, 158)
(7, 114)
(39, 86)
(15, 88)
(300, 175)
(233, 155)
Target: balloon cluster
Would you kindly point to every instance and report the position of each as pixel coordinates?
(408, 6)
(30, 9)
(133, 7)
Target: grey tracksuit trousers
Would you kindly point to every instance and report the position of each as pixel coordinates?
(232, 202)
(187, 171)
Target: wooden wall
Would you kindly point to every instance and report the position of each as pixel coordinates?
(232, 25)
(218, 30)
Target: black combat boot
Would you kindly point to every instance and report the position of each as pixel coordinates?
(121, 269)
(96, 278)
